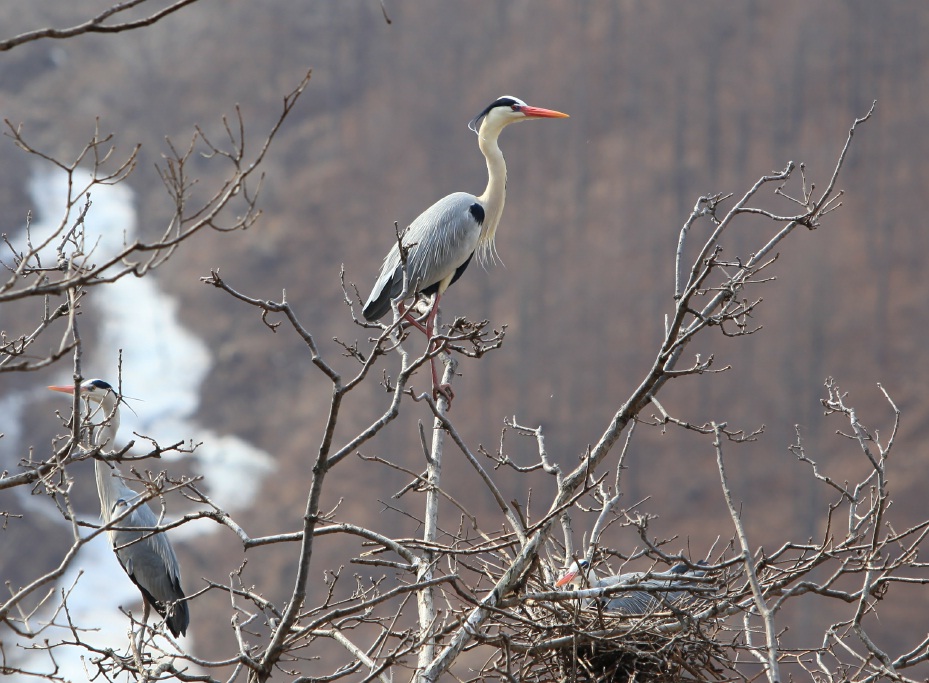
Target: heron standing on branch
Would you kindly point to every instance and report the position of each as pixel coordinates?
(147, 556)
(441, 242)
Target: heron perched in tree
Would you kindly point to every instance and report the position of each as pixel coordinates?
(147, 557)
(579, 575)
(441, 242)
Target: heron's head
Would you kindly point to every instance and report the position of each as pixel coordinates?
(506, 110)
(682, 568)
(573, 575)
(94, 391)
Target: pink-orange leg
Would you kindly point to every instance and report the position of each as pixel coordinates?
(404, 313)
(437, 387)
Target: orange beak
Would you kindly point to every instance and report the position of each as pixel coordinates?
(566, 578)
(539, 113)
(62, 389)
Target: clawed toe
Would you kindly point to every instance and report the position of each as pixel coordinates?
(445, 391)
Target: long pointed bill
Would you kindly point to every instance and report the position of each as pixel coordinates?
(566, 578)
(63, 390)
(539, 113)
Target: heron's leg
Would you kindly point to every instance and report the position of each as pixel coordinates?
(430, 329)
(430, 319)
(404, 313)
(145, 609)
(437, 387)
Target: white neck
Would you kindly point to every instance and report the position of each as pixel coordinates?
(495, 194)
(103, 424)
(102, 420)
(108, 487)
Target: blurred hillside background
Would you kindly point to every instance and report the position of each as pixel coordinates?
(668, 101)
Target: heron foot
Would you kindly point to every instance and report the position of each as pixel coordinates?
(445, 391)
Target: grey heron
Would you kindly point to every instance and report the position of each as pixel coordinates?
(147, 557)
(444, 238)
(579, 575)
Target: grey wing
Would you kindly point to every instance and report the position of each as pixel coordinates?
(441, 241)
(632, 602)
(643, 602)
(151, 564)
(684, 595)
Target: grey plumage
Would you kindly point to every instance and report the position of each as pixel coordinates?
(634, 602)
(443, 239)
(643, 602)
(435, 254)
(445, 236)
(146, 557)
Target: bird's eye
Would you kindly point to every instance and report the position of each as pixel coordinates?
(515, 107)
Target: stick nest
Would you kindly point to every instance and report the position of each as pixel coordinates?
(577, 641)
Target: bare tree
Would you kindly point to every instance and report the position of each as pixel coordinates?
(486, 596)
(107, 21)
(471, 595)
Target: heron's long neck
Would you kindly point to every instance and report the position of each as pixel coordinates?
(107, 487)
(103, 423)
(495, 194)
(103, 435)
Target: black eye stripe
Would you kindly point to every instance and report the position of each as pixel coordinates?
(511, 102)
